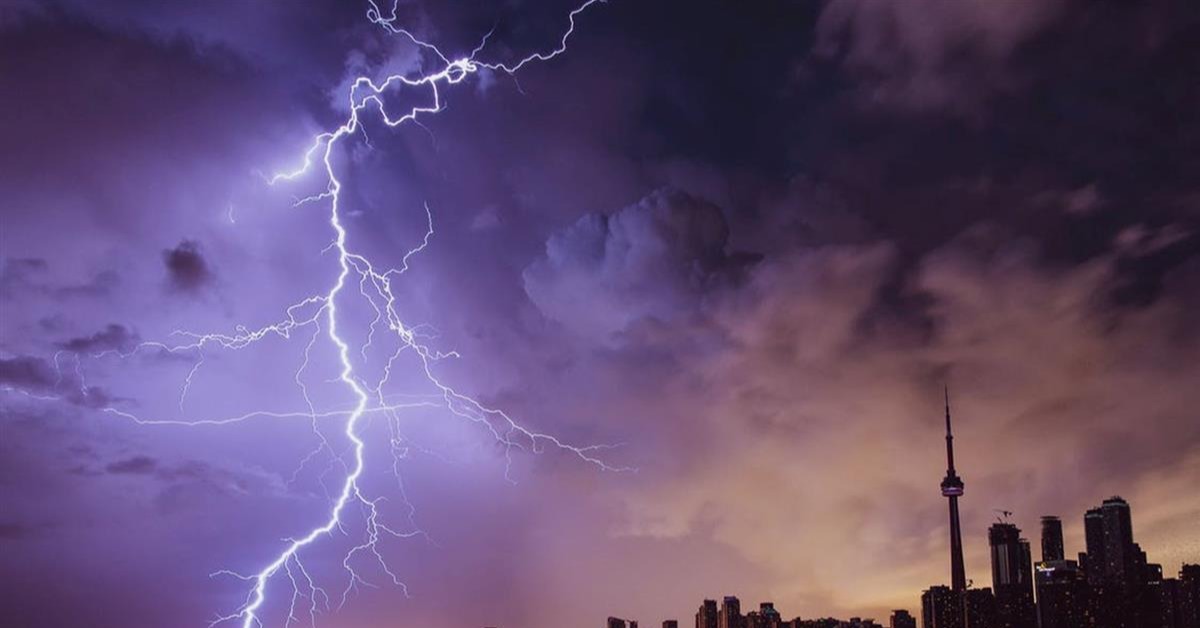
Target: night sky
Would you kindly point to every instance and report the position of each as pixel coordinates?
(747, 243)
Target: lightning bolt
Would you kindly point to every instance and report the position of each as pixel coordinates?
(376, 288)
(357, 277)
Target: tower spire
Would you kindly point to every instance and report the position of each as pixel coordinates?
(949, 436)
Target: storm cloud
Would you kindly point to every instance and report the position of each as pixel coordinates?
(187, 270)
(657, 259)
(744, 247)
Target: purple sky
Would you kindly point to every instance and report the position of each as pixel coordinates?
(749, 244)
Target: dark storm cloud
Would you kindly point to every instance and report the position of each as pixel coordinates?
(1060, 121)
(19, 272)
(187, 269)
(26, 372)
(147, 465)
(924, 55)
(655, 259)
(191, 485)
(113, 337)
(137, 465)
(38, 376)
(33, 275)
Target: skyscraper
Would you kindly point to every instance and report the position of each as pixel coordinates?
(952, 489)
(1052, 539)
(706, 617)
(731, 613)
(1115, 566)
(1062, 594)
(1092, 561)
(1012, 576)
(1112, 557)
(768, 617)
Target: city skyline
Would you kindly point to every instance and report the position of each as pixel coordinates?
(1109, 554)
(717, 609)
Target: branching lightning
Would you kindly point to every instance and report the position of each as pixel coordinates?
(357, 277)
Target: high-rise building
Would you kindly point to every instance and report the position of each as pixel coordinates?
(706, 617)
(1052, 539)
(1122, 584)
(941, 607)
(1125, 588)
(731, 613)
(1062, 595)
(1061, 591)
(670, 623)
(1010, 557)
(1112, 556)
(902, 619)
(1012, 576)
(1092, 561)
(952, 489)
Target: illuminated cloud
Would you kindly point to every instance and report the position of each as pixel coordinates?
(656, 259)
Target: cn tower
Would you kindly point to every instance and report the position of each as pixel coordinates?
(952, 488)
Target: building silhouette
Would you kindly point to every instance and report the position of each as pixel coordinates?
(1012, 577)
(1062, 594)
(1123, 589)
(979, 608)
(706, 617)
(1184, 600)
(1113, 559)
(765, 617)
(941, 607)
(1063, 601)
(1052, 539)
(902, 619)
(731, 613)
